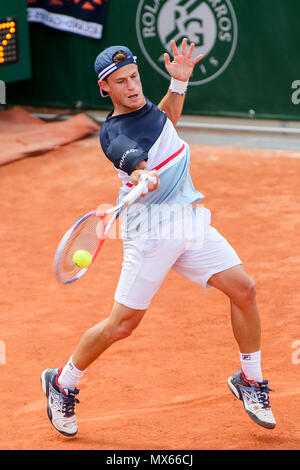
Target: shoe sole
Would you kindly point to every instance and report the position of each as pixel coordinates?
(45, 387)
(236, 392)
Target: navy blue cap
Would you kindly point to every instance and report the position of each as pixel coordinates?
(105, 65)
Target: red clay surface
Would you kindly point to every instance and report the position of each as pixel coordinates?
(165, 386)
(23, 134)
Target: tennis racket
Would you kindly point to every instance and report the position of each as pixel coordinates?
(89, 232)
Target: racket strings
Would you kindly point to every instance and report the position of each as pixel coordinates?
(87, 236)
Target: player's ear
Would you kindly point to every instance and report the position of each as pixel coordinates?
(104, 85)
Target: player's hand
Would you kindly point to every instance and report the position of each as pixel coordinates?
(182, 66)
(136, 175)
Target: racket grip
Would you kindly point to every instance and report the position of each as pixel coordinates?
(141, 188)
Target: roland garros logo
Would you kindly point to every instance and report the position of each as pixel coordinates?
(210, 24)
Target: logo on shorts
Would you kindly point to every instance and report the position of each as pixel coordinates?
(210, 24)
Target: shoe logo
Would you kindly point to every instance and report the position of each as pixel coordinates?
(250, 395)
(54, 398)
(210, 24)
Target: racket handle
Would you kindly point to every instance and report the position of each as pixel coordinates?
(141, 188)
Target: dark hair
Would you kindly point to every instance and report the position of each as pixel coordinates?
(119, 57)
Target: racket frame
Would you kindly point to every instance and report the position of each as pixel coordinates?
(140, 188)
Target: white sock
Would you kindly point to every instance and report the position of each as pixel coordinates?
(70, 376)
(251, 366)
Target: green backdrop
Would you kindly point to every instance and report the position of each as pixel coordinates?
(21, 69)
(264, 63)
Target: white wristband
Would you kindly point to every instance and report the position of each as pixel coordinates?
(178, 87)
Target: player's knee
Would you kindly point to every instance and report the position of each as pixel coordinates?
(122, 332)
(249, 291)
(123, 329)
(246, 293)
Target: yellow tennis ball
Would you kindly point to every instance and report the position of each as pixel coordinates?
(82, 258)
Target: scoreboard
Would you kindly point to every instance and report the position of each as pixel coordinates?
(9, 50)
(14, 41)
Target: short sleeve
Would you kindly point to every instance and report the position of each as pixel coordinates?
(125, 154)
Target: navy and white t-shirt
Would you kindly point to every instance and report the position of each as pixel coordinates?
(148, 134)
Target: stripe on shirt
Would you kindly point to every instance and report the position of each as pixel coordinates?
(159, 167)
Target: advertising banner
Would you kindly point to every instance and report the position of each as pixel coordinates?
(250, 66)
(84, 17)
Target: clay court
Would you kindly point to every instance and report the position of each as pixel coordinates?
(165, 386)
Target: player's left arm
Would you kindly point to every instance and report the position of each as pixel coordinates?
(180, 70)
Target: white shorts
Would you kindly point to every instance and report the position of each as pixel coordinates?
(148, 259)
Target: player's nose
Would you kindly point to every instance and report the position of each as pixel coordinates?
(130, 84)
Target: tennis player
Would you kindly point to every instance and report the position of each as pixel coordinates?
(140, 137)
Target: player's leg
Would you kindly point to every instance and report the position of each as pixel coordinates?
(247, 384)
(60, 384)
(216, 264)
(245, 319)
(146, 263)
(119, 325)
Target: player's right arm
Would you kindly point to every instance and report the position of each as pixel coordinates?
(141, 168)
(128, 156)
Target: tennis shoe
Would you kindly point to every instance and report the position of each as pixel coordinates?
(60, 404)
(255, 397)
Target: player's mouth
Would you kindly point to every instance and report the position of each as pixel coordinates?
(133, 96)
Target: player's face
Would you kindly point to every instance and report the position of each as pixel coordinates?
(125, 89)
